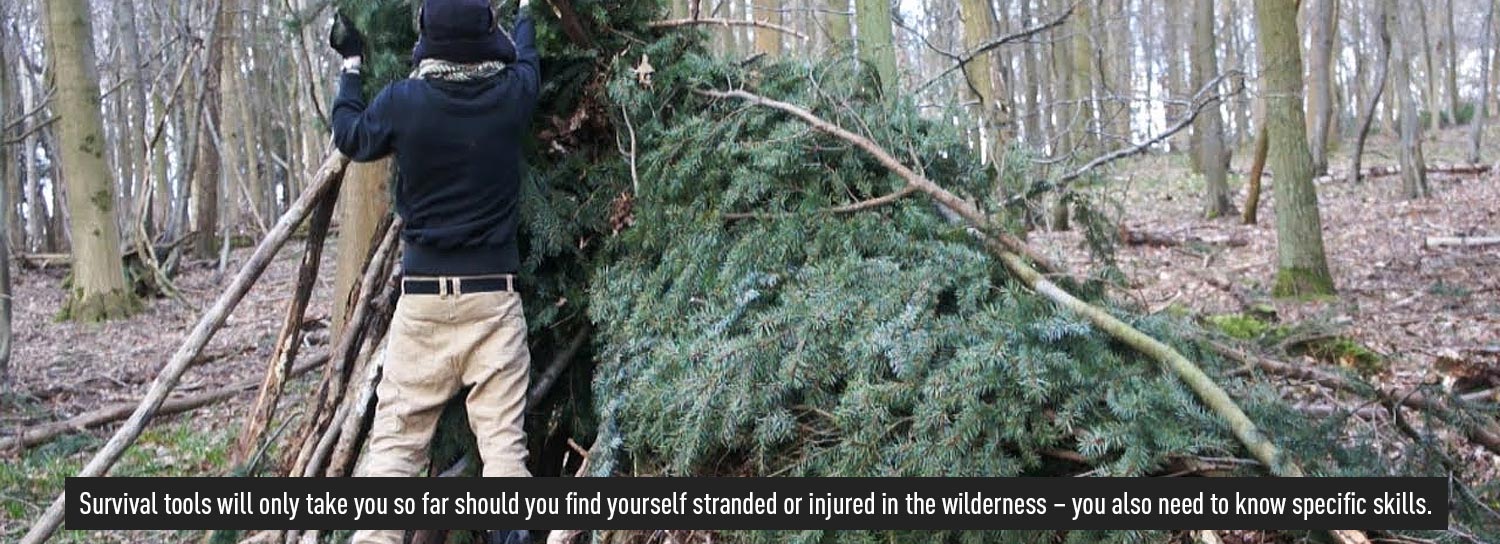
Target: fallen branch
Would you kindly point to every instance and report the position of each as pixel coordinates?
(1207, 390)
(209, 323)
(1386, 171)
(1484, 433)
(109, 414)
(674, 23)
(1138, 237)
(1462, 241)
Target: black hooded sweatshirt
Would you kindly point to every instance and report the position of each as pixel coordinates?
(458, 154)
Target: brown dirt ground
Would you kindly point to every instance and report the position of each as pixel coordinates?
(1432, 313)
(72, 367)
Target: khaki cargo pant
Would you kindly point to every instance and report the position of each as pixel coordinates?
(439, 344)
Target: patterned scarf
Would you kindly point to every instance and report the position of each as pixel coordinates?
(452, 71)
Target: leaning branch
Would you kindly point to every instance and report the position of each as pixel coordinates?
(964, 59)
(1207, 390)
(209, 323)
(673, 23)
(1202, 100)
(960, 206)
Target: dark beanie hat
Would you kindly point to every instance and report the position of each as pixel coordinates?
(462, 31)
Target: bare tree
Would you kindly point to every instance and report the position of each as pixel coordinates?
(1209, 125)
(1413, 167)
(1481, 107)
(1320, 27)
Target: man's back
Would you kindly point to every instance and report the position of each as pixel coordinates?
(457, 141)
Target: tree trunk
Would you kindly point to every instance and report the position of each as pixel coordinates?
(876, 43)
(767, 41)
(1302, 267)
(1452, 58)
(1031, 91)
(979, 74)
(8, 204)
(364, 202)
(1481, 106)
(1175, 79)
(11, 172)
(1209, 126)
(836, 20)
(1257, 170)
(1320, 80)
(1377, 88)
(1121, 69)
(1430, 96)
(208, 178)
(1413, 174)
(98, 290)
(36, 210)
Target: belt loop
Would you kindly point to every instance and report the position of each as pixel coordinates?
(442, 287)
(458, 286)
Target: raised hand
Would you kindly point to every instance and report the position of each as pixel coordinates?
(345, 38)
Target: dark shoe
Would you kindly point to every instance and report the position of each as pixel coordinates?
(508, 537)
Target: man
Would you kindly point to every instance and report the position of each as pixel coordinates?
(455, 128)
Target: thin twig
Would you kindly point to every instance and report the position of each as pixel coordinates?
(1025, 33)
(847, 208)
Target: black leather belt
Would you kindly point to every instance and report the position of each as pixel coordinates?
(458, 286)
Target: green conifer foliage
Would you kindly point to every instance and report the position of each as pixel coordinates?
(804, 343)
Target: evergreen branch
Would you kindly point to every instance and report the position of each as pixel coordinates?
(673, 23)
(960, 206)
(1209, 391)
(847, 208)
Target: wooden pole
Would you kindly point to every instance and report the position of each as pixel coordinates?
(290, 339)
(210, 322)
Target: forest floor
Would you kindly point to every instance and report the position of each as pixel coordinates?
(1430, 315)
(61, 369)
(1424, 311)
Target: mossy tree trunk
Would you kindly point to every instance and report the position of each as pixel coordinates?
(98, 291)
(365, 201)
(877, 46)
(1301, 265)
(1413, 166)
(1209, 125)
